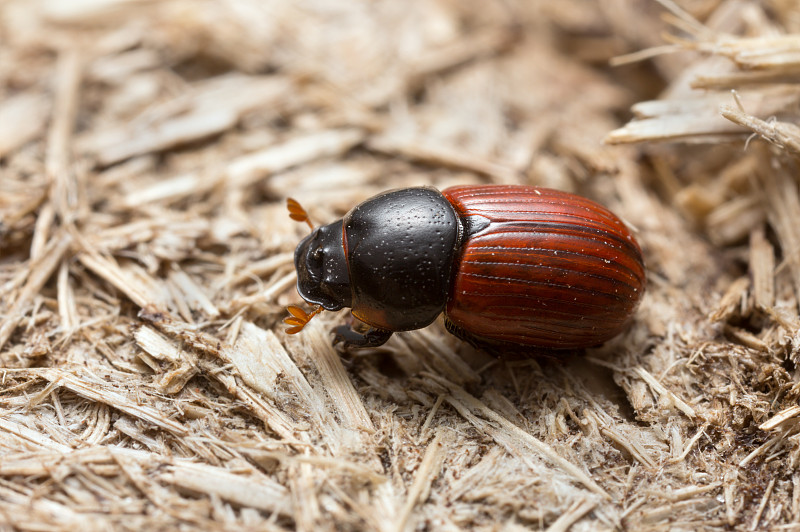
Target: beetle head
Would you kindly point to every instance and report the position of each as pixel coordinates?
(322, 276)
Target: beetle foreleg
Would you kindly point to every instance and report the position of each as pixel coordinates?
(370, 338)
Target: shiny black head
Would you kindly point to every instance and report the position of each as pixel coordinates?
(322, 276)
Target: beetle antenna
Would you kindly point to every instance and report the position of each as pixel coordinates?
(299, 318)
(297, 212)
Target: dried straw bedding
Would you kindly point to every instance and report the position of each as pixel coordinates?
(146, 152)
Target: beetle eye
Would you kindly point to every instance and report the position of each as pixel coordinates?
(318, 254)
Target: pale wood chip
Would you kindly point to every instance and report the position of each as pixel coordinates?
(22, 118)
(440, 357)
(115, 68)
(168, 235)
(156, 345)
(262, 268)
(255, 490)
(783, 134)
(761, 52)
(38, 274)
(304, 497)
(574, 513)
(780, 418)
(268, 295)
(64, 188)
(762, 449)
(459, 52)
(663, 513)
(691, 491)
(690, 444)
(30, 436)
(357, 470)
(134, 466)
(41, 233)
(250, 168)
(261, 360)
(24, 511)
(106, 268)
(510, 436)
(273, 417)
(762, 268)
(428, 470)
(733, 299)
(706, 118)
(733, 220)
(135, 432)
(631, 446)
(763, 504)
(195, 296)
(66, 300)
(171, 189)
(664, 392)
(336, 383)
(96, 390)
(783, 211)
(168, 134)
(437, 155)
(247, 169)
(746, 338)
(709, 128)
(209, 109)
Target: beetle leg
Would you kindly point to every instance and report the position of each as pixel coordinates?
(370, 338)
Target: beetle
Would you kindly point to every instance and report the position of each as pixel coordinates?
(510, 266)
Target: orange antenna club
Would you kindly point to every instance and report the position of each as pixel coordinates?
(299, 318)
(297, 212)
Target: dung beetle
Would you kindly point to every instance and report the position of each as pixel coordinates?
(510, 267)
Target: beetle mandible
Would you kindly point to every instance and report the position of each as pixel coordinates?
(510, 266)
